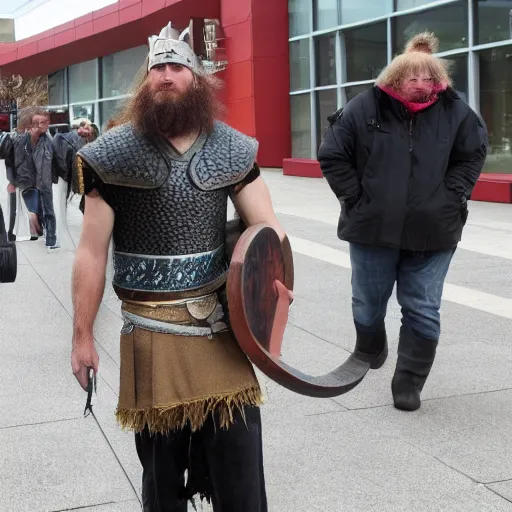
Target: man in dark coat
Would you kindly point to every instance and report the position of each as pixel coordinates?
(67, 146)
(403, 158)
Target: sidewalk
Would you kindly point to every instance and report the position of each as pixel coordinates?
(355, 453)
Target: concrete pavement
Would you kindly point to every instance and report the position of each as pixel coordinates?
(355, 453)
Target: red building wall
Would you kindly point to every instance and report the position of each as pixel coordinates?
(257, 78)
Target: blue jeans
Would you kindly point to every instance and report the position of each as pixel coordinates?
(419, 280)
(31, 197)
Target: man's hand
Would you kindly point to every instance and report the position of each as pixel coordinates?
(83, 356)
(34, 133)
(11, 189)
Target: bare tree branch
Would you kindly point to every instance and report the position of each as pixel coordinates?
(28, 92)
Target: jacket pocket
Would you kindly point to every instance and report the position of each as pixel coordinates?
(436, 222)
(360, 222)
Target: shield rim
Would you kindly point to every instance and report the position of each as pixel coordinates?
(337, 382)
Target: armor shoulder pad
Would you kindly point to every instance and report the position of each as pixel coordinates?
(225, 160)
(124, 157)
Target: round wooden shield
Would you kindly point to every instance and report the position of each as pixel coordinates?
(260, 275)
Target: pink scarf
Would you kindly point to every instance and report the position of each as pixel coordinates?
(412, 106)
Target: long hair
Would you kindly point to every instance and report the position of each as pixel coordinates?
(414, 62)
(123, 115)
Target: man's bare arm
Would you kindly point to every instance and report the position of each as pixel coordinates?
(89, 282)
(254, 204)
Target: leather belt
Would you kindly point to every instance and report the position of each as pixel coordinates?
(202, 316)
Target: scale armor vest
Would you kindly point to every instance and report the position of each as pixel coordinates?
(170, 210)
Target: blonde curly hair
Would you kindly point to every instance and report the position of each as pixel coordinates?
(417, 58)
(425, 42)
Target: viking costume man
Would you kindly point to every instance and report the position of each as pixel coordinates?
(186, 388)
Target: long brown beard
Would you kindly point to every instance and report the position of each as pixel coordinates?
(165, 113)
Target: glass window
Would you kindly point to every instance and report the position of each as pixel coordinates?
(7, 30)
(496, 106)
(83, 111)
(120, 69)
(301, 125)
(326, 105)
(360, 10)
(57, 90)
(299, 65)
(325, 52)
(493, 21)
(349, 93)
(401, 5)
(449, 23)
(458, 66)
(107, 110)
(83, 79)
(59, 116)
(299, 14)
(325, 14)
(366, 52)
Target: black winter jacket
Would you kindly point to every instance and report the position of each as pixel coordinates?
(403, 181)
(66, 147)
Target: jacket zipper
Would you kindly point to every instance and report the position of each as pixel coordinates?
(410, 158)
(410, 135)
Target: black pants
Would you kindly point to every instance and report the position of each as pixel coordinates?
(225, 466)
(50, 221)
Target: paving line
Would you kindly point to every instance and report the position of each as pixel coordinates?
(497, 244)
(475, 299)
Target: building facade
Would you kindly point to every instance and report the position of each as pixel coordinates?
(338, 48)
(291, 64)
(91, 62)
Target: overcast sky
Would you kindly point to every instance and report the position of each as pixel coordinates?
(35, 16)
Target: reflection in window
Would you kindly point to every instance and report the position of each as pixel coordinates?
(349, 93)
(299, 65)
(83, 81)
(449, 23)
(458, 67)
(493, 21)
(59, 116)
(107, 110)
(326, 105)
(325, 14)
(401, 5)
(301, 125)
(360, 10)
(83, 111)
(325, 52)
(496, 106)
(57, 90)
(120, 69)
(366, 52)
(299, 13)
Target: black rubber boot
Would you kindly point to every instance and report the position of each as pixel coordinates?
(415, 358)
(406, 388)
(371, 345)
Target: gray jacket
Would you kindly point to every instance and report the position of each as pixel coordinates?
(27, 166)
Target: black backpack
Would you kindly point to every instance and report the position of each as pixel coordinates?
(8, 255)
